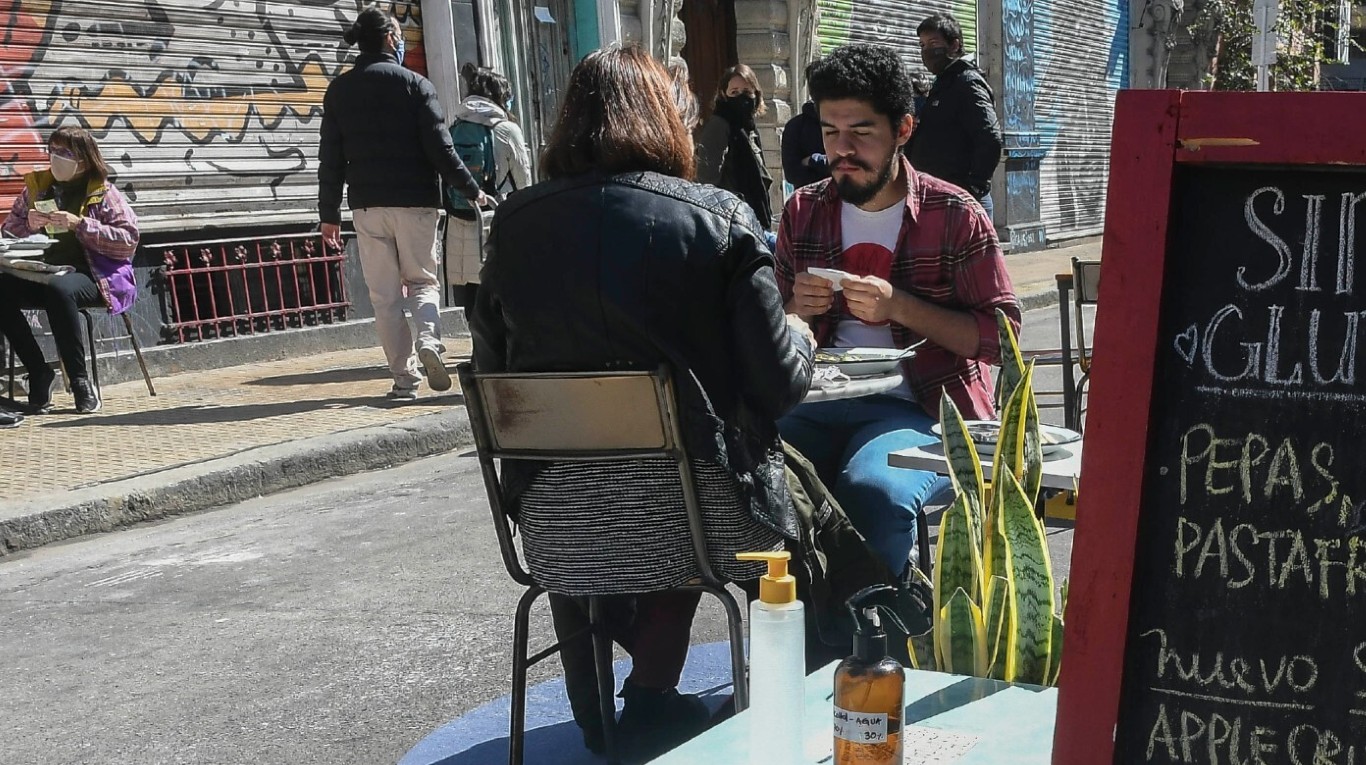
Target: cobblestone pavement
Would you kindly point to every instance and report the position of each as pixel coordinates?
(205, 415)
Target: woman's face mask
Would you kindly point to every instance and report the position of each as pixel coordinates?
(64, 164)
(398, 46)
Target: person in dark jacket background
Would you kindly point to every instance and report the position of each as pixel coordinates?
(617, 261)
(804, 160)
(729, 152)
(957, 137)
(384, 135)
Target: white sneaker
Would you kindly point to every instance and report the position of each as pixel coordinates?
(437, 376)
(401, 394)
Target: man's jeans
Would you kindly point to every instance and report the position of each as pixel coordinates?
(848, 441)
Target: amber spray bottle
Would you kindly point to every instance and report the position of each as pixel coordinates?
(870, 686)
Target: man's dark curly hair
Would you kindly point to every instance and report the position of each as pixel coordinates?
(872, 73)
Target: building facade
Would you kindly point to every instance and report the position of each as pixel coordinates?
(209, 110)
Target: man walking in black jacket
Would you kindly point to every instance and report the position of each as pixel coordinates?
(384, 135)
(957, 137)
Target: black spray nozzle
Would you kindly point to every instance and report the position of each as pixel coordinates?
(879, 599)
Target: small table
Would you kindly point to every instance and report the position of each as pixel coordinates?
(948, 718)
(1060, 472)
(855, 388)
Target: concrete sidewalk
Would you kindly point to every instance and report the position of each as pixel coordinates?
(218, 437)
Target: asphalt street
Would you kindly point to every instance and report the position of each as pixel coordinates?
(340, 623)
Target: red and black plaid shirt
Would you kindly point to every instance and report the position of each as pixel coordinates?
(947, 253)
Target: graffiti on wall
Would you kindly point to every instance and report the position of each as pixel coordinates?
(198, 105)
(1076, 86)
(889, 23)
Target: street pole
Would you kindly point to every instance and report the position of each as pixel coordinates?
(1264, 14)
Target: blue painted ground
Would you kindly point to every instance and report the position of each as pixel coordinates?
(480, 736)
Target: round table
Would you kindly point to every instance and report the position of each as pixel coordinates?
(854, 388)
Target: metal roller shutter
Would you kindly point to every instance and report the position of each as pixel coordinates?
(1081, 54)
(206, 110)
(889, 22)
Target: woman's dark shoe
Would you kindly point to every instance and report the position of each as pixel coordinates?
(42, 384)
(87, 398)
(654, 721)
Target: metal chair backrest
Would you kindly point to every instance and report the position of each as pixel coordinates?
(1085, 291)
(575, 417)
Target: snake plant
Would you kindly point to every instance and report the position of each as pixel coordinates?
(997, 614)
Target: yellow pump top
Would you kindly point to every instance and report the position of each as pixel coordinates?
(777, 586)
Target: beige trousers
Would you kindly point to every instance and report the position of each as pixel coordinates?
(400, 261)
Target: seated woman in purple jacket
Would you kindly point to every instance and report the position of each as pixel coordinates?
(97, 234)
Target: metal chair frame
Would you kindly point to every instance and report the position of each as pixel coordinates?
(1076, 290)
(88, 315)
(481, 392)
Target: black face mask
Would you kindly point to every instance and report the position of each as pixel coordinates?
(738, 110)
(935, 59)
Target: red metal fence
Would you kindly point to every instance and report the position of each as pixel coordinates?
(231, 287)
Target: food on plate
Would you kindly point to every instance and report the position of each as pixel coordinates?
(838, 356)
(989, 432)
(984, 432)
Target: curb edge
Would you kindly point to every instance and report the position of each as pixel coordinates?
(227, 480)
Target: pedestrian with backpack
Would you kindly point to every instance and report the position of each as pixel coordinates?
(490, 142)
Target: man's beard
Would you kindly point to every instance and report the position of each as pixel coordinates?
(856, 194)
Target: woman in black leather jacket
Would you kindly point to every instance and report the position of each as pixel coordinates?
(620, 262)
(730, 153)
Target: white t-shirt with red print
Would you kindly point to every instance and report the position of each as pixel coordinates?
(869, 241)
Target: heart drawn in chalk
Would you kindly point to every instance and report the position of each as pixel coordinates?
(1186, 344)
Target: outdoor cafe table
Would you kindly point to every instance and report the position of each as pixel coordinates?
(1059, 472)
(948, 719)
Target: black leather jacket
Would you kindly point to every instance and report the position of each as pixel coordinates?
(596, 273)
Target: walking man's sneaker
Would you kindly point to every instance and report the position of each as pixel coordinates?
(41, 386)
(87, 397)
(401, 394)
(437, 376)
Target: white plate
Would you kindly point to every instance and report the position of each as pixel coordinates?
(36, 242)
(833, 274)
(984, 432)
(864, 362)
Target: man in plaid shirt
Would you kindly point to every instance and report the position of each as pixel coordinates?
(924, 264)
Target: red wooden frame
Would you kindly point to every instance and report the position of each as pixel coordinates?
(1154, 131)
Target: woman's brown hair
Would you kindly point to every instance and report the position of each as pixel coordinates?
(751, 79)
(619, 116)
(83, 145)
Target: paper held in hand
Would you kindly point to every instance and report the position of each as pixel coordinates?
(47, 206)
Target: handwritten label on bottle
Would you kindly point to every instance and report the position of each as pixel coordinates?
(860, 727)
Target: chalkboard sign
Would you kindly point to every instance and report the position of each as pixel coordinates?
(1219, 574)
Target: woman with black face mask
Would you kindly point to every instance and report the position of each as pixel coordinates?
(729, 152)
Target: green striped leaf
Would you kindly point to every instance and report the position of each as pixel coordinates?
(958, 562)
(1031, 456)
(1012, 364)
(997, 626)
(965, 467)
(993, 541)
(922, 651)
(1055, 663)
(1031, 578)
(1055, 651)
(964, 635)
(1012, 440)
